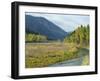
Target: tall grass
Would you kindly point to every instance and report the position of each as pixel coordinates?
(43, 55)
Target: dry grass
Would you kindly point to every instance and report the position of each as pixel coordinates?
(44, 54)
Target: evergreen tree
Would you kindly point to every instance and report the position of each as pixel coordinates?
(79, 36)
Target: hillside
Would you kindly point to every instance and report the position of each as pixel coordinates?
(42, 26)
(79, 36)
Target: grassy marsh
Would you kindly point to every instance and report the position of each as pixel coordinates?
(45, 54)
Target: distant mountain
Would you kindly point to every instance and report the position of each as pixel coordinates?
(41, 25)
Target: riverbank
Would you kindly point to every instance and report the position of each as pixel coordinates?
(73, 62)
(44, 55)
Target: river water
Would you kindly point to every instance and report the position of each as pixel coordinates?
(74, 62)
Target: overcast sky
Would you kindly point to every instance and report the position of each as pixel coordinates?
(67, 22)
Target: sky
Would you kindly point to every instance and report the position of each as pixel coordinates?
(68, 22)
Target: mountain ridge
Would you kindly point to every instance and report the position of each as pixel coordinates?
(43, 26)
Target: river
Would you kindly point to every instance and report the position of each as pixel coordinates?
(74, 62)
